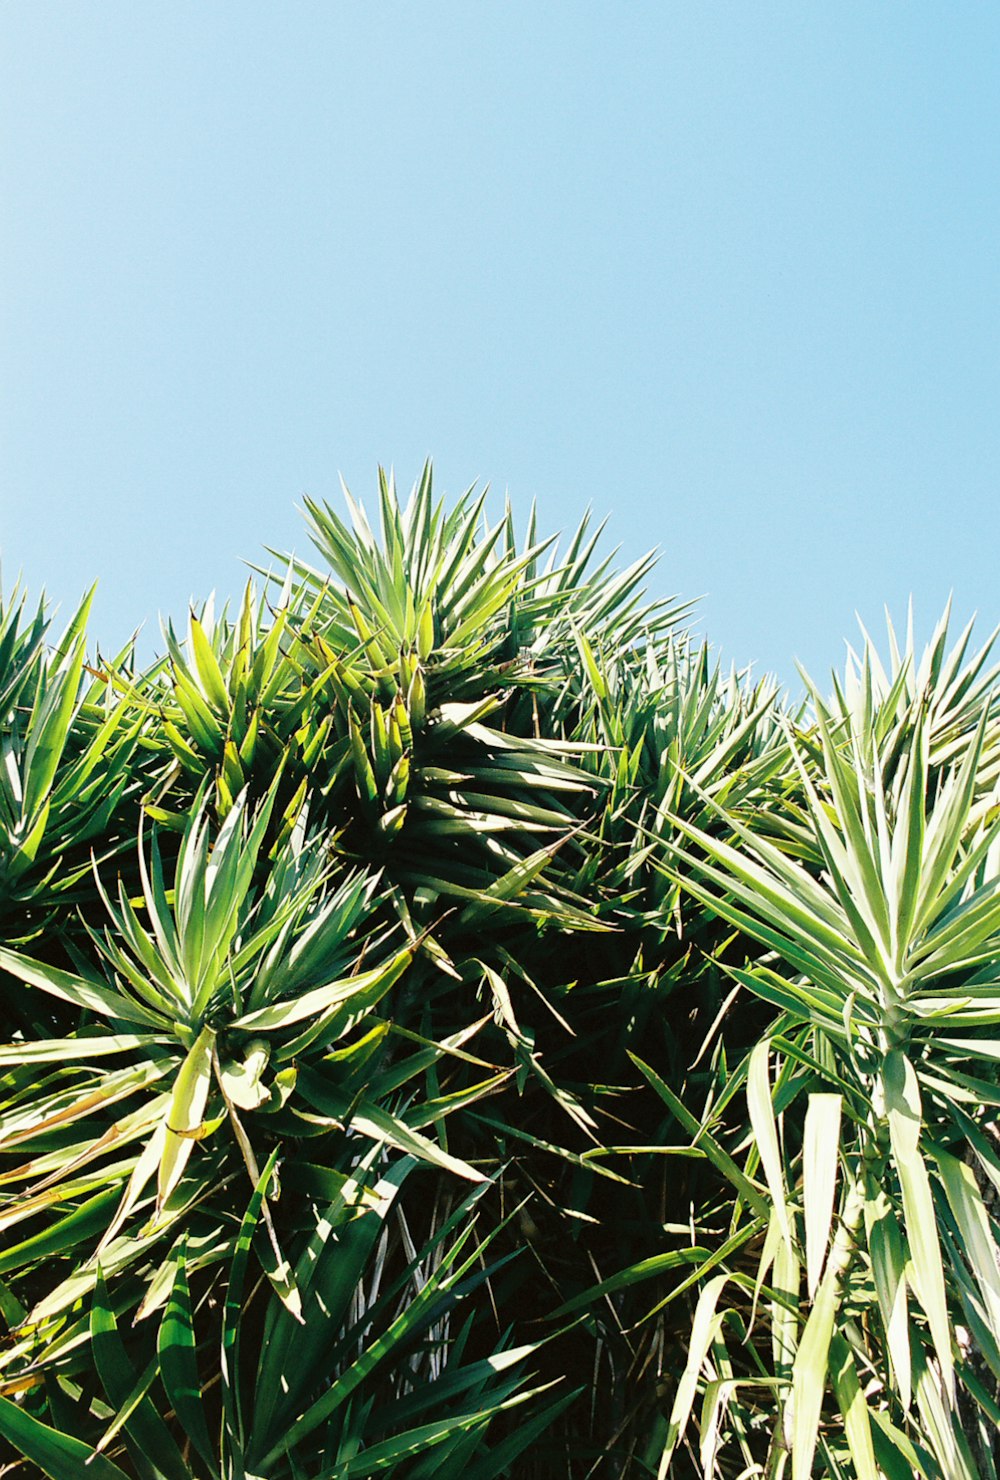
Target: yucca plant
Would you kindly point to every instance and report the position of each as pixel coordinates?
(69, 762)
(211, 1030)
(456, 1029)
(871, 1161)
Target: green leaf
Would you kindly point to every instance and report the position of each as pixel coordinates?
(232, 1405)
(53, 714)
(978, 1245)
(811, 1370)
(851, 1400)
(56, 1455)
(75, 990)
(761, 1111)
(704, 1330)
(902, 1102)
(888, 1260)
(380, 1125)
(208, 668)
(819, 1179)
(65, 1234)
(185, 1113)
(809, 1377)
(177, 1346)
(144, 1426)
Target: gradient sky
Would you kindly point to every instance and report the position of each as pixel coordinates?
(730, 274)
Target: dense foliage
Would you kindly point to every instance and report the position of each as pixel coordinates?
(452, 1029)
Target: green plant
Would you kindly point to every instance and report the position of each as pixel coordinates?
(871, 1161)
(455, 1029)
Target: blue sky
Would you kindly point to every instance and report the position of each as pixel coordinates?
(729, 274)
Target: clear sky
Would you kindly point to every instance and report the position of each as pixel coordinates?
(729, 273)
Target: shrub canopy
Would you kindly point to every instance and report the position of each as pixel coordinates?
(454, 1029)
